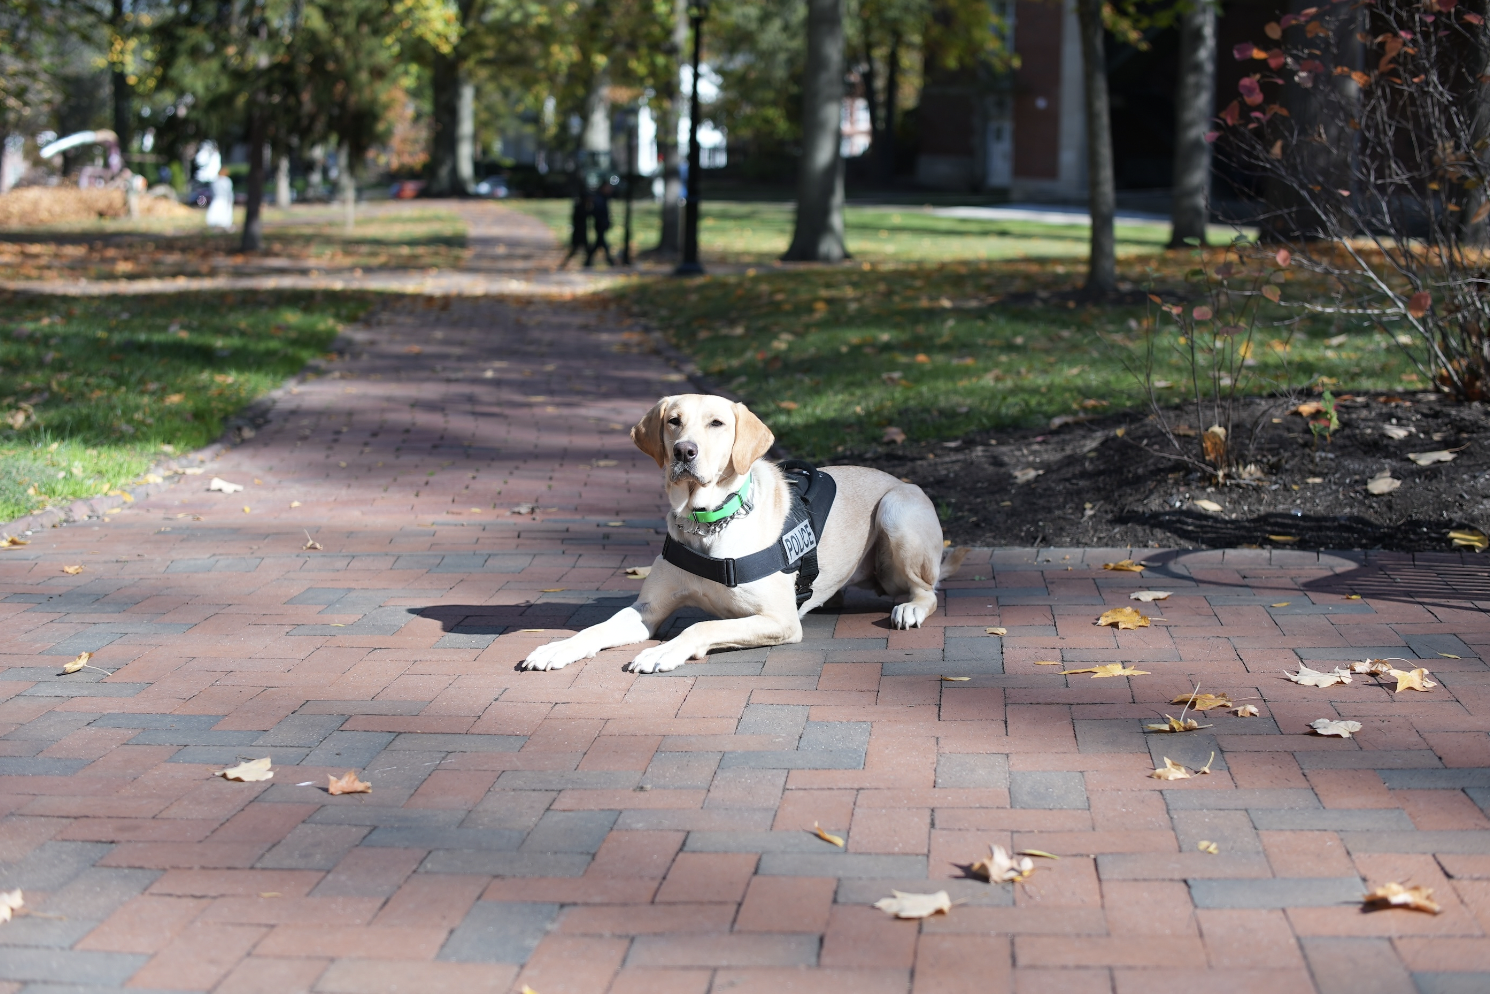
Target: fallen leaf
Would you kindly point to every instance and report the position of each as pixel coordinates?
(1412, 680)
(1329, 726)
(1108, 669)
(1283, 538)
(553, 590)
(787, 405)
(1429, 458)
(1148, 596)
(1205, 845)
(638, 572)
(1382, 485)
(1318, 678)
(1470, 538)
(73, 665)
(1203, 702)
(347, 783)
(311, 543)
(1037, 852)
(996, 631)
(1124, 619)
(1170, 771)
(1027, 474)
(72, 570)
(10, 902)
(1308, 409)
(10, 540)
(1047, 662)
(413, 349)
(1448, 655)
(1394, 895)
(826, 836)
(1208, 505)
(893, 436)
(1352, 597)
(223, 486)
(245, 508)
(1245, 711)
(903, 905)
(1396, 432)
(956, 679)
(1371, 666)
(270, 893)
(1281, 604)
(294, 503)
(253, 770)
(1176, 725)
(1206, 769)
(1001, 868)
(1126, 565)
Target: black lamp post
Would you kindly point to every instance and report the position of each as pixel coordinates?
(689, 266)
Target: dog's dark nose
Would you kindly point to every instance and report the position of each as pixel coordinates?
(684, 451)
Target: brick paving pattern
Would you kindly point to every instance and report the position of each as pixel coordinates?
(589, 830)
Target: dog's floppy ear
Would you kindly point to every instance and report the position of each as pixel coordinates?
(752, 440)
(647, 433)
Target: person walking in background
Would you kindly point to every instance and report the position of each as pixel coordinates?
(600, 211)
(220, 210)
(579, 235)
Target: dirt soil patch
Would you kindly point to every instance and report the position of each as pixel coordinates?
(1088, 486)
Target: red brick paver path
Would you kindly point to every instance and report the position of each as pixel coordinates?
(589, 830)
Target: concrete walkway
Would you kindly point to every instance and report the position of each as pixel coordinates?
(468, 476)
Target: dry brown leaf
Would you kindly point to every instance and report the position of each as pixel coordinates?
(1208, 505)
(827, 836)
(996, 631)
(1308, 409)
(1203, 702)
(311, 544)
(1318, 678)
(1376, 666)
(893, 436)
(1383, 485)
(956, 679)
(1001, 868)
(1180, 724)
(1394, 895)
(638, 572)
(1124, 619)
(1429, 458)
(1108, 669)
(10, 902)
(347, 783)
(1149, 595)
(75, 664)
(1245, 711)
(1170, 771)
(1205, 845)
(1330, 726)
(1125, 565)
(1412, 680)
(1206, 769)
(903, 905)
(249, 772)
(10, 540)
(72, 570)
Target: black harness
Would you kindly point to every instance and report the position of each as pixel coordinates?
(795, 552)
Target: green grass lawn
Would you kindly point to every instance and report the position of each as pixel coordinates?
(93, 390)
(832, 356)
(751, 233)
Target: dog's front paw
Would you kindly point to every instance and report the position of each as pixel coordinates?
(658, 659)
(907, 615)
(554, 656)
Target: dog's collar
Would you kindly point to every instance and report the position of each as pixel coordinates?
(732, 504)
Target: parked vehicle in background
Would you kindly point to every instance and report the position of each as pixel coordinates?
(492, 186)
(405, 189)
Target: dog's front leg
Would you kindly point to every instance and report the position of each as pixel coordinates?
(696, 641)
(631, 624)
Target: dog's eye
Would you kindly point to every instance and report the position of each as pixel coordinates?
(675, 422)
(716, 423)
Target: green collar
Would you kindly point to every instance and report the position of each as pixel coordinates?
(731, 505)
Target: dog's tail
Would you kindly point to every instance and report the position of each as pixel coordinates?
(952, 561)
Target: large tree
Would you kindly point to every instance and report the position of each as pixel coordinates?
(818, 235)
(1101, 187)
(1194, 104)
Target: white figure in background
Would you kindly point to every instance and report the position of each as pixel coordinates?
(220, 210)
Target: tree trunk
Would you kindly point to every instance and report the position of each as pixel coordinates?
(1101, 189)
(886, 155)
(1194, 104)
(819, 230)
(348, 186)
(670, 241)
(122, 117)
(253, 221)
(445, 85)
(282, 195)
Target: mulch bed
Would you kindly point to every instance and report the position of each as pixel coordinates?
(1095, 488)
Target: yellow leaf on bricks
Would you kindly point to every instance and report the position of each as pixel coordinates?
(11, 540)
(1281, 604)
(1176, 725)
(1125, 566)
(73, 665)
(1037, 852)
(999, 867)
(1245, 711)
(553, 590)
(826, 836)
(1205, 845)
(1047, 662)
(1412, 680)
(347, 783)
(1318, 678)
(1124, 619)
(903, 905)
(956, 679)
(1394, 895)
(249, 772)
(1170, 771)
(1203, 702)
(996, 631)
(72, 570)
(1108, 669)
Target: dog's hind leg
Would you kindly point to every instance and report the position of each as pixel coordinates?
(908, 553)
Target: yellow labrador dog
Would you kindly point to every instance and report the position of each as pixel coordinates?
(727, 503)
